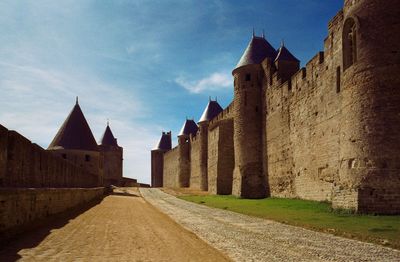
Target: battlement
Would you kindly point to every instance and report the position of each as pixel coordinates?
(302, 79)
(194, 138)
(318, 132)
(336, 20)
(172, 149)
(225, 114)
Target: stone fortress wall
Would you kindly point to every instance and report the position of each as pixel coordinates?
(22, 207)
(27, 165)
(36, 183)
(302, 131)
(326, 132)
(171, 168)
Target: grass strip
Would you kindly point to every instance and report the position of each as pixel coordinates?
(319, 216)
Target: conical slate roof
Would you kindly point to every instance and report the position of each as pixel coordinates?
(108, 138)
(257, 50)
(285, 55)
(211, 111)
(165, 142)
(75, 133)
(189, 127)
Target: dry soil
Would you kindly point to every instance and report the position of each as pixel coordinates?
(122, 227)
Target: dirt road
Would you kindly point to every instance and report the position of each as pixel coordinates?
(121, 228)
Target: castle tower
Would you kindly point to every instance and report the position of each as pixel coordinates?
(248, 178)
(75, 142)
(157, 159)
(212, 110)
(286, 64)
(369, 129)
(112, 157)
(189, 128)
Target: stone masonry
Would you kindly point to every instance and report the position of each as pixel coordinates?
(325, 132)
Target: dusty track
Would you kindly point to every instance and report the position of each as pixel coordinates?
(246, 238)
(121, 228)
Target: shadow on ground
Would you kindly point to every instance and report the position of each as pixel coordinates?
(32, 235)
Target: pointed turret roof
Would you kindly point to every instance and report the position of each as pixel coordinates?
(165, 142)
(75, 133)
(285, 55)
(212, 110)
(108, 138)
(257, 50)
(189, 127)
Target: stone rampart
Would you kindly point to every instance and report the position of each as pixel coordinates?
(329, 131)
(302, 131)
(171, 168)
(221, 158)
(27, 165)
(195, 162)
(227, 113)
(19, 208)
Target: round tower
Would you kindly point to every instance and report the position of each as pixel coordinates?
(75, 142)
(211, 111)
(157, 159)
(189, 128)
(369, 130)
(248, 178)
(112, 158)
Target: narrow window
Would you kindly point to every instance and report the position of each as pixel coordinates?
(64, 156)
(349, 43)
(248, 77)
(87, 158)
(256, 108)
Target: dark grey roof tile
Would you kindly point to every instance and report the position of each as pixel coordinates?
(212, 110)
(257, 50)
(75, 133)
(189, 127)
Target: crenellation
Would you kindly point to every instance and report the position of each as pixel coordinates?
(195, 163)
(336, 21)
(227, 113)
(171, 168)
(325, 132)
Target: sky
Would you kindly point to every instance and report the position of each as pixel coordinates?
(145, 65)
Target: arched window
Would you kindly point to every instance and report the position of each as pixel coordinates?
(349, 43)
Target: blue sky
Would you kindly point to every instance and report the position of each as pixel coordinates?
(145, 65)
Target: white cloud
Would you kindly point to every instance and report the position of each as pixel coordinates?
(35, 101)
(219, 80)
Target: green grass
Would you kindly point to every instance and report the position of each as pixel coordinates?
(313, 215)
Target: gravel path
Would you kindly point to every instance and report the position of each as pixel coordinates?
(245, 238)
